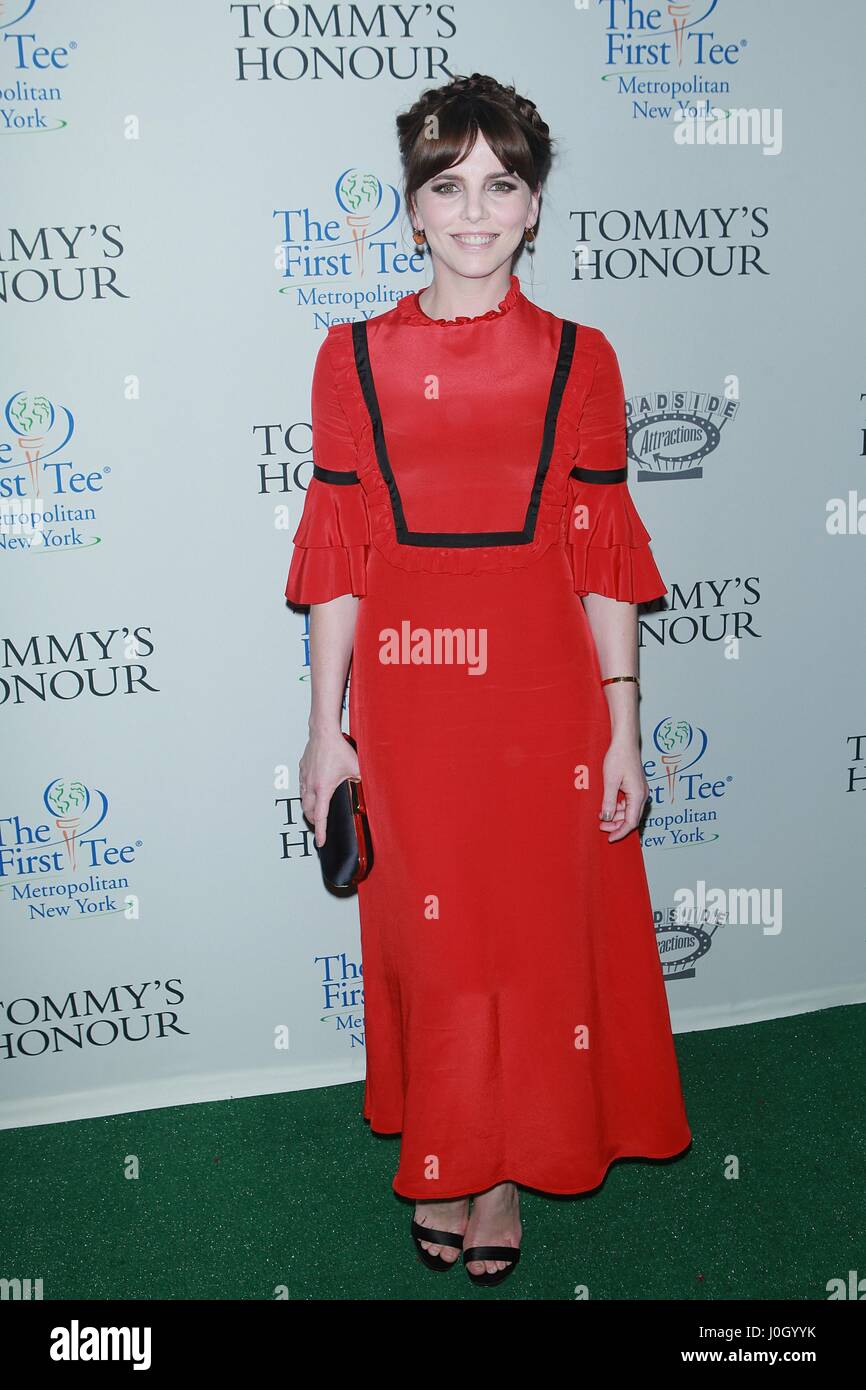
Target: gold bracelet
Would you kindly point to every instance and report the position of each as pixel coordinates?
(611, 679)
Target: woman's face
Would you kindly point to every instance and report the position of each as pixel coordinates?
(474, 214)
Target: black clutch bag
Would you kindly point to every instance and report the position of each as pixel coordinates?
(346, 857)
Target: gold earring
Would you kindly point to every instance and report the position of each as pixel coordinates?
(418, 236)
(529, 234)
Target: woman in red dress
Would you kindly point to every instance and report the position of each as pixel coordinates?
(469, 541)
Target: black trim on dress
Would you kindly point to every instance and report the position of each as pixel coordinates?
(334, 475)
(470, 539)
(599, 475)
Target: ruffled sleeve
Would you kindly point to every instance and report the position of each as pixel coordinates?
(607, 541)
(332, 541)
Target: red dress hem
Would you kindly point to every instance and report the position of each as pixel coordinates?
(626, 1151)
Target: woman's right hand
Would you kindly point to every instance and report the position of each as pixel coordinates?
(325, 762)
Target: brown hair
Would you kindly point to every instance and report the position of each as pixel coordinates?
(511, 125)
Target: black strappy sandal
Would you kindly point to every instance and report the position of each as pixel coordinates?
(491, 1252)
(434, 1237)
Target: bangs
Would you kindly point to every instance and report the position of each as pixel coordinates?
(459, 121)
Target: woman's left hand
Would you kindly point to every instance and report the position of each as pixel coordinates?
(625, 790)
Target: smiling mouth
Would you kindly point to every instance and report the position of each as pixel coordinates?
(475, 238)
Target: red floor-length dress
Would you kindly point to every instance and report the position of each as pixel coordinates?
(469, 478)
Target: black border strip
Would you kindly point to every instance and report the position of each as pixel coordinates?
(467, 539)
(334, 475)
(599, 475)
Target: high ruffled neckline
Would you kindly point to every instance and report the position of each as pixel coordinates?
(413, 313)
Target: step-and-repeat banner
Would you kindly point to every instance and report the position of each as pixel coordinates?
(193, 192)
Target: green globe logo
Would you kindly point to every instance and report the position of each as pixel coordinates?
(674, 738)
(30, 416)
(67, 800)
(359, 195)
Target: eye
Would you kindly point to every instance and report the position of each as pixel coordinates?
(506, 185)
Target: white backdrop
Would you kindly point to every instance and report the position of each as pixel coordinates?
(193, 193)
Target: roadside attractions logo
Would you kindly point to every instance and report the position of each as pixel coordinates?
(62, 864)
(668, 51)
(684, 940)
(46, 499)
(685, 800)
(671, 433)
(324, 253)
(33, 66)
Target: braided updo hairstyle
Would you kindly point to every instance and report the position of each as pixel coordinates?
(442, 126)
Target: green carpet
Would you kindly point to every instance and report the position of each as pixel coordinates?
(242, 1199)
